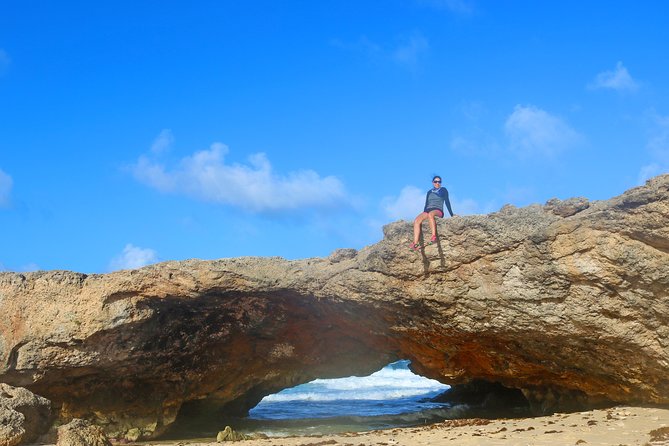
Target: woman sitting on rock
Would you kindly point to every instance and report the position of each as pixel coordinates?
(434, 207)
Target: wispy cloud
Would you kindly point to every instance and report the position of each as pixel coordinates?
(411, 50)
(6, 183)
(468, 206)
(528, 133)
(617, 79)
(658, 147)
(649, 171)
(471, 138)
(407, 52)
(406, 205)
(5, 61)
(363, 46)
(133, 257)
(163, 142)
(29, 267)
(457, 6)
(254, 186)
(532, 131)
(476, 143)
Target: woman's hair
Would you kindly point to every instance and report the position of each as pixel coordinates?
(437, 176)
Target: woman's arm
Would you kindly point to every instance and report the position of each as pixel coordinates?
(444, 194)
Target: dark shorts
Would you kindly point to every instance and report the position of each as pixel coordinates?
(439, 213)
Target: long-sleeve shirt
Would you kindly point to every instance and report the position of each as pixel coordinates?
(436, 198)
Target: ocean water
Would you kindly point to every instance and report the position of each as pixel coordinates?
(392, 397)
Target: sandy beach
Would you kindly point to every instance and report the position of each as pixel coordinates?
(615, 426)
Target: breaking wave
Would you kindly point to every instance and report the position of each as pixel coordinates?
(393, 390)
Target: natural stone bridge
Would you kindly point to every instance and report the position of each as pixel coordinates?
(568, 302)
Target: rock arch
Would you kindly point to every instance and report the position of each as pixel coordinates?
(568, 302)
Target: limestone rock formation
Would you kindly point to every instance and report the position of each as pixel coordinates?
(11, 427)
(23, 415)
(81, 433)
(568, 302)
(229, 434)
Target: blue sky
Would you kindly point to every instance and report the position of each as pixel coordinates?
(137, 132)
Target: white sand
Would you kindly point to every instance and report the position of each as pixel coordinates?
(616, 426)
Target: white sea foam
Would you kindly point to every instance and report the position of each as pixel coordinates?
(393, 382)
(380, 395)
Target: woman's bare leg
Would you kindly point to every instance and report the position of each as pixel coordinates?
(433, 223)
(416, 226)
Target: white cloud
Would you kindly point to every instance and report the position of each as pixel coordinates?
(254, 187)
(163, 142)
(617, 79)
(133, 257)
(5, 189)
(4, 60)
(529, 132)
(406, 206)
(658, 147)
(532, 131)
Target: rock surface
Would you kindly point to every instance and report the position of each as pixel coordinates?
(229, 434)
(11, 427)
(568, 302)
(24, 416)
(81, 433)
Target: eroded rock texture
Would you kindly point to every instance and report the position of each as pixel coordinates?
(24, 416)
(81, 433)
(568, 302)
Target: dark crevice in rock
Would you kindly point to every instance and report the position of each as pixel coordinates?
(546, 400)
(14, 356)
(122, 295)
(660, 244)
(487, 397)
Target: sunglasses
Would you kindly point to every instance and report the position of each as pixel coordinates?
(435, 181)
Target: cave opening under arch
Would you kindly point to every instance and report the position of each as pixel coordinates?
(388, 398)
